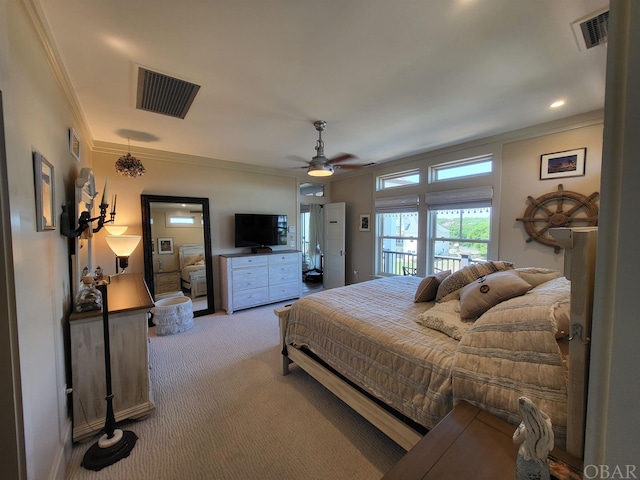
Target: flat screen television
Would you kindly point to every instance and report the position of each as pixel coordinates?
(260, 230)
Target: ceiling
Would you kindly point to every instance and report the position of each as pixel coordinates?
(391, 78)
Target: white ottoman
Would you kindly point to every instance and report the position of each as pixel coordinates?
(172, 315)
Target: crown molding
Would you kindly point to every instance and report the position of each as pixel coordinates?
(116, 149)
(41, 27)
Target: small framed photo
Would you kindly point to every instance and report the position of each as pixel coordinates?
(165, 245)
(570, 163)
(153, 246)
(45, 193)
(74, 144)
(365, 223)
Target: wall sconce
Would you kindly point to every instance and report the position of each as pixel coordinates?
(123, 246)
(85, 221)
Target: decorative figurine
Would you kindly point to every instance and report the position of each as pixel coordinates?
(88, 297)
(535, 436)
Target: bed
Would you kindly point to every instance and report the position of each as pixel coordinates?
(403, 365)
(193, 275)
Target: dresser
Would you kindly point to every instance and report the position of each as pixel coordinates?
(249, 280)
(128, 301)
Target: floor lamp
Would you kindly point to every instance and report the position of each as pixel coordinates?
(115, 444)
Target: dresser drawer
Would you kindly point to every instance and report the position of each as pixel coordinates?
(280, 258)
(284, 291)
(284, 273)
(249, 261)
(249, 298)
(244, 278)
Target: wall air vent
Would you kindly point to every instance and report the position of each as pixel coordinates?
(160, 93)
(593, 30)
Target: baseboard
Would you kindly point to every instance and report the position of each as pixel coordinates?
(58, 469)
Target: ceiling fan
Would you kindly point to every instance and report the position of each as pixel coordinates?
(321, 166)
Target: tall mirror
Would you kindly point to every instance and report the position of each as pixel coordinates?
(176, 232)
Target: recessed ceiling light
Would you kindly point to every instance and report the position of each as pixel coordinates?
(556, 104)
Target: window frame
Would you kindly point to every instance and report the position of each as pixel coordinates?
(381, 179)
(466, 162)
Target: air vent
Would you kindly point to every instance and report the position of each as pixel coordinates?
(592, 30)
(162, 94)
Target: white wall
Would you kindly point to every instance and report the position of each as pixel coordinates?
(516, 176)
(229, 190)
(613, 423)
(521, 178)
(37, 116)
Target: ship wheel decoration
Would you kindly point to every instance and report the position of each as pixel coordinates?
(558, 209)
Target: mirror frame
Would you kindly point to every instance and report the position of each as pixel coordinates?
(146, 201)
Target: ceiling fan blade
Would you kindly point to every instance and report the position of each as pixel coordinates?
(297, 159)
(349, 167)
(342, 157)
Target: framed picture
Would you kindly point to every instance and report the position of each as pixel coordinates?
(365, 223)
(165, 245)
(45, 195)
(74, 144)
(570, 163)
(153, 246)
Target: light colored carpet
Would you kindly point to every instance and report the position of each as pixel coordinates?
(224, 411)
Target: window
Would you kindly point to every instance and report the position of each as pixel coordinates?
(312, 189)
(397, 235)
(398, 179)
(459, 231)
(183, 219)
(461, 168)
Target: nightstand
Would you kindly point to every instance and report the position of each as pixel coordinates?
(165, 282)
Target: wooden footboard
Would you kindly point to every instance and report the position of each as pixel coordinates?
(386, 422)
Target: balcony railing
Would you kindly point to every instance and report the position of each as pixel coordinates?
(399, 263)
(402, 263)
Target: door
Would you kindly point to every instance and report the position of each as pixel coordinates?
(334, 225)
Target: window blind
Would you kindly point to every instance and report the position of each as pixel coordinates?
(460, 198)
(405, 203)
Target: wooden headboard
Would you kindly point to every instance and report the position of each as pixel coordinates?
(188, 250)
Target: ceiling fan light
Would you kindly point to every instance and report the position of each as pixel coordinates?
(320, 170)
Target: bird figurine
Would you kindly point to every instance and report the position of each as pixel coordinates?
(535, 436)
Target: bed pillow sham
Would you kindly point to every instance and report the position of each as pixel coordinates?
(537, 275)
(480, 295)
(450, 287)
(428, 287)
(445, 317)
(194, 260)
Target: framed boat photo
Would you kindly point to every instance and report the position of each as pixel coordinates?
(570, 163)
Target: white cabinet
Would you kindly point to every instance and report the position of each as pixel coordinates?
(249, 280)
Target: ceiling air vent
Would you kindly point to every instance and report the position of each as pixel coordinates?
(160, 93)
(593, 30)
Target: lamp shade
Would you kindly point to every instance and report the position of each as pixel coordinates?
(116, 229)
(123, 245)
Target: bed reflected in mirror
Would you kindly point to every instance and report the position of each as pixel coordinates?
(176, 233)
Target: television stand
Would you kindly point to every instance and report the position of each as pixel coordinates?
(261, 250)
